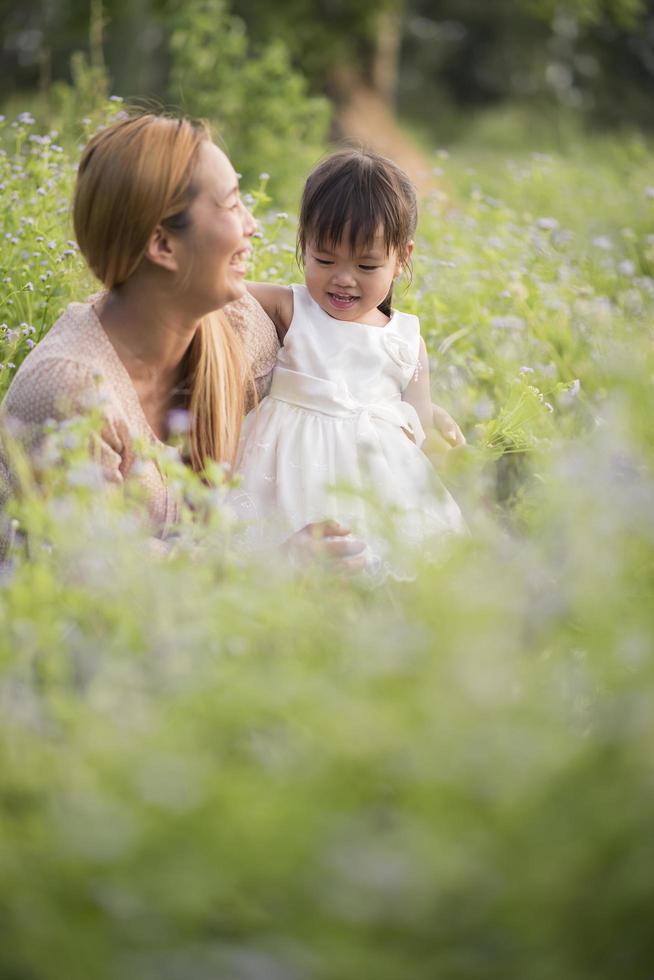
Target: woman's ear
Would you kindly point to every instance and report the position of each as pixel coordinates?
(161, 250)
(403, 260)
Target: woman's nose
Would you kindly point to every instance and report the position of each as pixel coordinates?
(249, 223)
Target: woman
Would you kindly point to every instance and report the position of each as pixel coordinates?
(160, 222)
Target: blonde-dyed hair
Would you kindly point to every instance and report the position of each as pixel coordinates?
(134, 175)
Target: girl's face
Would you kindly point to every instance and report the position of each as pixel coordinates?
(214, 250)
(350, 284)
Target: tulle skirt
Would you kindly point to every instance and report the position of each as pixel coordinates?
(299, 466)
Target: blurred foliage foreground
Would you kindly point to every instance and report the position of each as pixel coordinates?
(216, 769)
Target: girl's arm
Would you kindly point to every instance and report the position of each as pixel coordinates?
(277, 301)
(418, 390)
(447, 428)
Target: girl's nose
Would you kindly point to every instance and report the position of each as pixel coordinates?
(343, 276)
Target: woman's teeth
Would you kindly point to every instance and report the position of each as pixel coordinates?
(240, 259)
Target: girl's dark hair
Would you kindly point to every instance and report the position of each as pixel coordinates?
(364, 192)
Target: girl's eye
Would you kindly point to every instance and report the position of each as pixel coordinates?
(368, 268)
(323, 261)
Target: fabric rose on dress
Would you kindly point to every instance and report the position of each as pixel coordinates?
(400, 351)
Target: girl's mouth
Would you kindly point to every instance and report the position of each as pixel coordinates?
(342, 301)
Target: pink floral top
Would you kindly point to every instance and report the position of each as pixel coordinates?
(75, 367)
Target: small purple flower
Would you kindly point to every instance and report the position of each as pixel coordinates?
(179, 422)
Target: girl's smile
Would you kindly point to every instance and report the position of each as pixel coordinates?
(341, 301)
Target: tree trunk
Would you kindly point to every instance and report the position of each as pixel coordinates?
(386, 57)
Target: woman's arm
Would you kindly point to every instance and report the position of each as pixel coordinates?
(277, 301)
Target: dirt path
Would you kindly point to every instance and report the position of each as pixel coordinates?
(366, 119)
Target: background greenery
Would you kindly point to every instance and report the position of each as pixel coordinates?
(215, 767)
(272, 76)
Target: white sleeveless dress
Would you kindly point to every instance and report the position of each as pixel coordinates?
(330, 440)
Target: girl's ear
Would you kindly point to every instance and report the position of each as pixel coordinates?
(161, 250)
(403, 260)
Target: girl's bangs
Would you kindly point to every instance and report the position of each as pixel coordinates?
(349, 214)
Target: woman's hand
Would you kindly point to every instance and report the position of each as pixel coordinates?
(327, 541)
(446, 427)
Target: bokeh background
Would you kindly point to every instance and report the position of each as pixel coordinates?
(278, 79)
(221, 767)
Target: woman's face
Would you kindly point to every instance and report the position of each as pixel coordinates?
(214, 251)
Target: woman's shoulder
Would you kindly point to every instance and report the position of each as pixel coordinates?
(51, 387)
(76, 336)
(63, 372)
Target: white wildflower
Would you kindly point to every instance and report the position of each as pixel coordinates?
(508, 322)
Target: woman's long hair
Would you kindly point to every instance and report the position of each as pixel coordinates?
(134, 175)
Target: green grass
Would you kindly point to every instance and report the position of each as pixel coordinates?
(218, 768)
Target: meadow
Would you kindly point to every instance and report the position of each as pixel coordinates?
(215, 767)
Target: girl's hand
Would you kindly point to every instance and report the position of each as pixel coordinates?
(327, 541)
(446, 427)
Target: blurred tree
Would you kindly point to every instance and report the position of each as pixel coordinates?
(593, 56)
(261, 105)
(351, 53)
(623, 13)
(325, 38)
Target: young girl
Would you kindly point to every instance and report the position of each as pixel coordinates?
(342, 427)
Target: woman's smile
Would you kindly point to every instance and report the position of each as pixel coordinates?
(240, 261)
